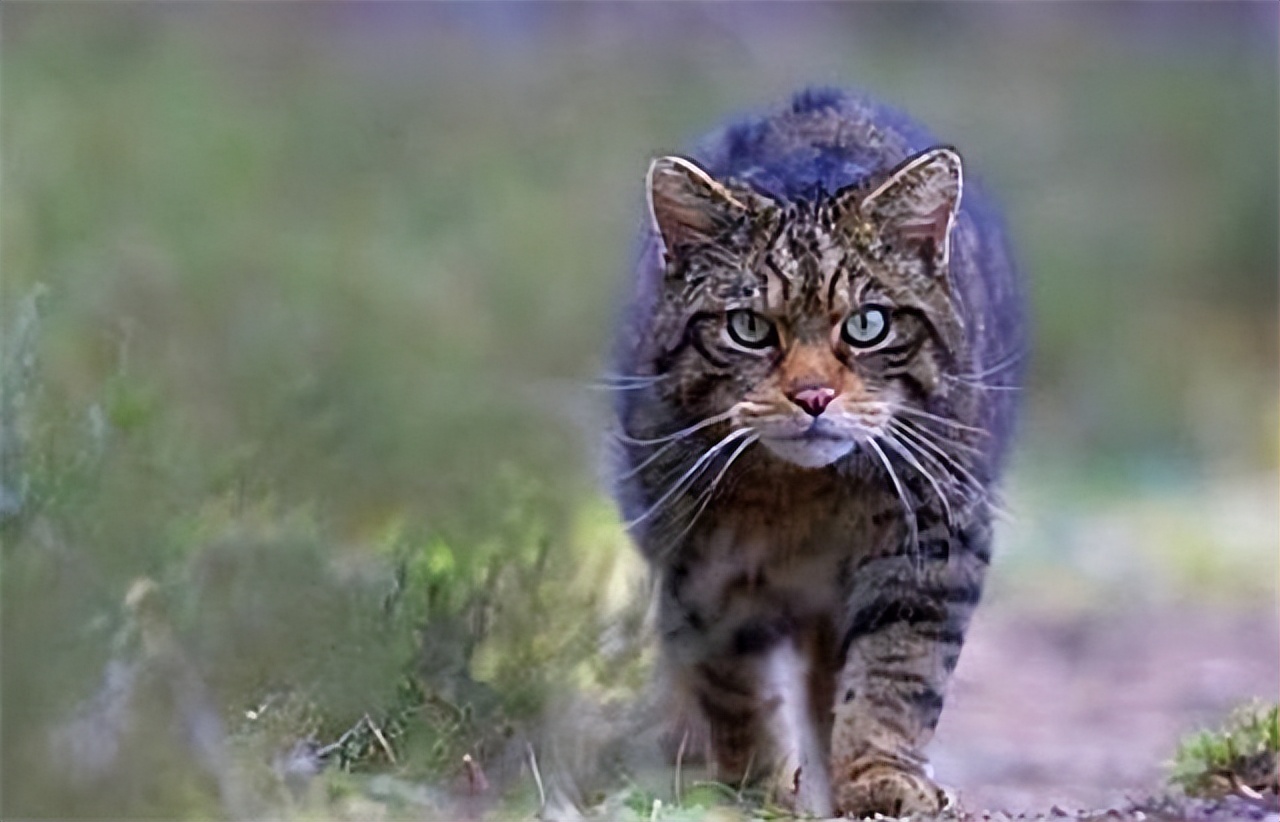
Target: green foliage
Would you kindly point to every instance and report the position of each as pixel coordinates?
(408, 648)
(407, 651)
(699, 801)
(1242, 755)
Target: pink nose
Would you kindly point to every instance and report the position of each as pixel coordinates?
(814, 400)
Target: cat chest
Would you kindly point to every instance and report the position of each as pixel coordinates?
(743, 591)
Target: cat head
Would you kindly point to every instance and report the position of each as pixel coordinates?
(811, 323)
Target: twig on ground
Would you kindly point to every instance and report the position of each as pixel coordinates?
(1240, 787)
(746, 775)
(537, 779)
(476, 781)
(679, 777)
(342, 740)
(382, 740)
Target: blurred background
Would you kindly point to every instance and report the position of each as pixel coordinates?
(301, 311)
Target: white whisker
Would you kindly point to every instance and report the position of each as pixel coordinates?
(907, 510)
(1008, 360)
(939, 437)
(956, 424)
(949, 462)
(633, 378)
(623, 382)
(904, 452)
(981, 386)
(704, 499)
(721, 417)
(689, 475)
(952, 464)
(649, 460)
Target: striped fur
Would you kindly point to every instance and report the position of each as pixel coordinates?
(817, 513)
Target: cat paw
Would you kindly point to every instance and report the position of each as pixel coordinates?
(784, 790)
(800, 791)
(889, 791)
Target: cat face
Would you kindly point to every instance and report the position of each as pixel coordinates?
(811, 324)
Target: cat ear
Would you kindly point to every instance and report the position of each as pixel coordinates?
(689, 206)
(918, 202)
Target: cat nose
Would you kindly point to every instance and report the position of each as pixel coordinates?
(813, 400)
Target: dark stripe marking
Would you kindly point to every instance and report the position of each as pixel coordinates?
(876, 617)
(959, 594)
(927, 700)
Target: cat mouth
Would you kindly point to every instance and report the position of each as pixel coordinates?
(819, 430)
(818, 444)
(813, 435)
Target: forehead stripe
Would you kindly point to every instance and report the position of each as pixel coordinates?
(786, 281)
(833, 282)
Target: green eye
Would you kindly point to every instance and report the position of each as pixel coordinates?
(749, 330)
(867, 326)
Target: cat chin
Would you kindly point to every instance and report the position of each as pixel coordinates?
(808, 453)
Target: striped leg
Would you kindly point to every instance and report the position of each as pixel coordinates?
(902, 640)
(722, 683)
(762, 726)
(727, 690)
(709, 674)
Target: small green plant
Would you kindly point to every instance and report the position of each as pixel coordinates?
(1241, 757)
(696, 801)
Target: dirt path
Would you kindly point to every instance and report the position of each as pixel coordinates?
(1082, 711)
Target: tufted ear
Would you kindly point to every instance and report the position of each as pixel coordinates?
(918, 202)
(689, 206)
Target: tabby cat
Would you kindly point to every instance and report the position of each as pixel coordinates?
(816, 382)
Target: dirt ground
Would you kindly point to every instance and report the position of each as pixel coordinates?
(1083, 711)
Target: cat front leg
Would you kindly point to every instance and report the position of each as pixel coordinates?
(750, 680)
(761, 725)
(904, 629)
(800, 780)
(716, 675)
(728, 694)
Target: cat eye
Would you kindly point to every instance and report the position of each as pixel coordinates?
(867, 326)
(749, 330)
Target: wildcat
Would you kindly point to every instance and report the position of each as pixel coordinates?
(816, 382)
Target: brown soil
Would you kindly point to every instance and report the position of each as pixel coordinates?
(1083, 711)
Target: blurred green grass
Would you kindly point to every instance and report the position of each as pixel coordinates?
(321, 290)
